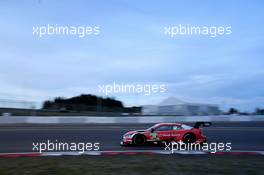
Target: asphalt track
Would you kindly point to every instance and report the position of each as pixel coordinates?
(19, 138)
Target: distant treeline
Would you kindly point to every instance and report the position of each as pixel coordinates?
(258, 111)
(88, 102)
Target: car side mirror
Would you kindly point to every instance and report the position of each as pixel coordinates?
(152, 130)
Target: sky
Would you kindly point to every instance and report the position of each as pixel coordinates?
(133, 49)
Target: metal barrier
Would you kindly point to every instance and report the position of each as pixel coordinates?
(124, 119)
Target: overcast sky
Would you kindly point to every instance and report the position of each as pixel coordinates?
(132, 48)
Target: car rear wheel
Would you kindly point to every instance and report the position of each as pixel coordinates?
(189, 138)
(139, 139)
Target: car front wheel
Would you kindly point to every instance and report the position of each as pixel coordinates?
(139, 139)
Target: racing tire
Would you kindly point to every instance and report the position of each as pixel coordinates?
(139, 139)
(189, 138)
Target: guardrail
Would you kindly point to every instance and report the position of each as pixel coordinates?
(124, 119)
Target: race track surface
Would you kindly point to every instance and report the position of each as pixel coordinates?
(19, 138)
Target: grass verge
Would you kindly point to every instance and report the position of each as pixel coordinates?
(134, 164)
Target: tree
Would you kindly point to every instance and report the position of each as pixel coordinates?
(233, 111)
(259, 111)
(84, 102)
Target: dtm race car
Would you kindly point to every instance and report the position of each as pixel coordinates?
(166, 132)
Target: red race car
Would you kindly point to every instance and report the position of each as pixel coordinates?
(166, 132)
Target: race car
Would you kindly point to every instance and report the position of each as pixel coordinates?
(166, 132)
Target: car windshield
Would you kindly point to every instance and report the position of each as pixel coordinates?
(154, 126)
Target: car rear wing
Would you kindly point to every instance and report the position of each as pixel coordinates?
(202, 124)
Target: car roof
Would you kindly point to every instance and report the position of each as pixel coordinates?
(175, 124)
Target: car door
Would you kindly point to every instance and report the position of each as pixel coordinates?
(163, 132)
(177, 132)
